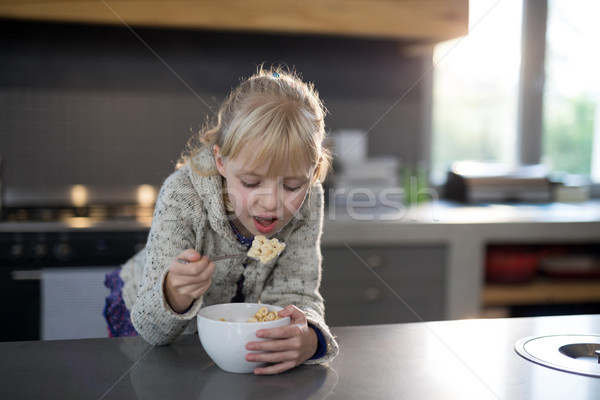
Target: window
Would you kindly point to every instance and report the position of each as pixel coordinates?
(476, 86)
(571, 121)
(476, 89)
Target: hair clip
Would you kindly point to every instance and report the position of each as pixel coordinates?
(275, 75)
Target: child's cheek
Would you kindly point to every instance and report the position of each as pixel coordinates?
(293, 203)
(239, 201)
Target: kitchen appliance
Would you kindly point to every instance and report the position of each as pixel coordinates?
(361, 183)
(478, 182)
(52, 267)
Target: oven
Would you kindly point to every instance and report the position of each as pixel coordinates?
(52, 274)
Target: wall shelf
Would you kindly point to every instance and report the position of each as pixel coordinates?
(542, 292)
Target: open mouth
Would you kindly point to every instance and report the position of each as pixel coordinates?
(265, 224)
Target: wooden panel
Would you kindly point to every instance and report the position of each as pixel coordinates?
(542, 292)
(423, 20)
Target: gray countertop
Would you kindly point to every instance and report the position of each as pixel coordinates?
(467, 359)
(347, 223)
(438, 222)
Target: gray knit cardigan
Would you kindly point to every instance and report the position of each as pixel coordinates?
(190, 213)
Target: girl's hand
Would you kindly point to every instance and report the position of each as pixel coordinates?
(189, 277)
(291, 345)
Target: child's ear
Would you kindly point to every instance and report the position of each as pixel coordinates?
(219, 160)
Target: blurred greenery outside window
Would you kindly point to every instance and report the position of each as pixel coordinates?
(476, 88)
(572, 88)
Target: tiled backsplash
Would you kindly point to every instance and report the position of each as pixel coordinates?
(97, 137)
(94, 105)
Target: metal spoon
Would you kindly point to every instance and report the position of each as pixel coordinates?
(182, 261)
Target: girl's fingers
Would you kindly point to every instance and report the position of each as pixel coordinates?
(274, 346)
(275, 369)
(188, 287)
(191, 269)
(296, 315)
(273, 357)
(288, 310)
(181, 280)
(189, 255)
(281, 332)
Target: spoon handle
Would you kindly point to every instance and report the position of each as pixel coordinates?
(182, 261)
(227, 256)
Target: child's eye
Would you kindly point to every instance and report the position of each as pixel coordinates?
(291, 188)
(250, 185)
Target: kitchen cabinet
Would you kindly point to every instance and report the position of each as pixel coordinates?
(465, 232)
(428, 21)
(383, 284)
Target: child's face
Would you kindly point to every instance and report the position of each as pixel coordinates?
(262, 205)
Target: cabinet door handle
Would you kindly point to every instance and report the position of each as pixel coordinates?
(33, 275)
(372, 293)
(375, 260)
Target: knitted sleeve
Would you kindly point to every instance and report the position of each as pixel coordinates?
(171, 232)
(297, 277)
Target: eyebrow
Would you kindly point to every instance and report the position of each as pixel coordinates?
(254, 174)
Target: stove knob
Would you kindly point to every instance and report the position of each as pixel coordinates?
(17, 251)
(62, 251)
(40, 250)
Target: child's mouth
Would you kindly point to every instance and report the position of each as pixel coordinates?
(264, 225)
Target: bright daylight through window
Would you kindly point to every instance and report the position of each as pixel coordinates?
(476, 89)
(476, 85)
(571, 129)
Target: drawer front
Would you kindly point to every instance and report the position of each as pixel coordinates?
(426, 263)
(375, 285)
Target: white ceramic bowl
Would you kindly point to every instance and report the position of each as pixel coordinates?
(225, 341)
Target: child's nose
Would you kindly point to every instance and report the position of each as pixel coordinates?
(269, 199)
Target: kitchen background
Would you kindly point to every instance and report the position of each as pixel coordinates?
(93, 118)
(105, 110)
(94, 105)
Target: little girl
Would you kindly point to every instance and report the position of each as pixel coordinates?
(258, 171)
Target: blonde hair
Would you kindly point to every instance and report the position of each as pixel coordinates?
(278, 116)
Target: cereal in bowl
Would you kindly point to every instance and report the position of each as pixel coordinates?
(264, 315)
